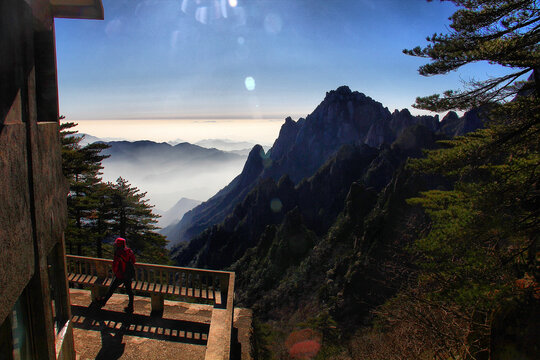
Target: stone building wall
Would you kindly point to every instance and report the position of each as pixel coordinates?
(33, 190)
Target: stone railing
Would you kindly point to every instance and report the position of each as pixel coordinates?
(175, 283)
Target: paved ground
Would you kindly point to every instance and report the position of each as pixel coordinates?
(179, 333)
(242, 327)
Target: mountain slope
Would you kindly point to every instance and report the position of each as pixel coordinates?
(217, 207)
(168, 172)
(316, 200)
(302, 147)
(174, 214)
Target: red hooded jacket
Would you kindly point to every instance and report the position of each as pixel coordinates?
(122, 256)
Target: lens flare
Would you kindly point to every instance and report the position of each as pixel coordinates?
(233, 3)
(273, 23)
(249, 82)
(276, 205)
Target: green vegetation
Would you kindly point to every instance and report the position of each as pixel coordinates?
(503, 32)
(479, 257)
(443, 263)
(99, 210)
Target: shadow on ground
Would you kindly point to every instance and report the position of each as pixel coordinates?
(113, 325)
(112, 347)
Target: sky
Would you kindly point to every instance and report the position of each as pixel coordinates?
(194, 69)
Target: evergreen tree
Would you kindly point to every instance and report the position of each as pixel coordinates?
(504, 32)
(479, 257)
(81, 166)
(99, 211)
(133, 219)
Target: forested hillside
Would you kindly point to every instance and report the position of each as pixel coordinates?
(99, 211)
(349, 229)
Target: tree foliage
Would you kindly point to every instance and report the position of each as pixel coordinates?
(81, 166)
(504, 32)
(480, 254)
(133, 219)
(100, 211)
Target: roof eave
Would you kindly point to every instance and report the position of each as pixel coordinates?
(77, 9)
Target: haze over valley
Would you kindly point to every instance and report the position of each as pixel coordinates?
(168, 173)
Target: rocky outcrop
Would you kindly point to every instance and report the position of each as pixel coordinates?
(317, 199)
(218, 207)
(453, 125)
(344, 117)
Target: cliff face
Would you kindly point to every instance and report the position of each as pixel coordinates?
(343, 118)
(317, 200)
(314, 203)
(217, 207)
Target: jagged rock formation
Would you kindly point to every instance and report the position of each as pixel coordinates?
(343, 118)
(218, 206)
(316, 201)
(269, 202)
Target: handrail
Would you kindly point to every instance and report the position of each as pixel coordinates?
(183, 281)
(152, 265)
(173, 280)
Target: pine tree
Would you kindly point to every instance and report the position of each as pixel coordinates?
(504, 32)
(133, 219)
(480, 255)
(81, 166)
(99, 210)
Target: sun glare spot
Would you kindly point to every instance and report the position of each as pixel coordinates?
(201, 15)
(184, 6)
(113, 27)
(276, 205)
(233, 3)
(272, 23)
(249, 82)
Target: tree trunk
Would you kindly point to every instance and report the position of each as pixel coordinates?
(99, 248)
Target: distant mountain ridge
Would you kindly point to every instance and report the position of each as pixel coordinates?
(174, 214)
(146, 149)
(226, 144)
(343, 118)
(168, 172)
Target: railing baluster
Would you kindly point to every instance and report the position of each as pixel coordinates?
(182, 282)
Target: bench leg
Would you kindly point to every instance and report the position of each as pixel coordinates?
(98, 291)
(157, 302)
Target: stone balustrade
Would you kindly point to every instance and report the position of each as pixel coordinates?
(175, 283)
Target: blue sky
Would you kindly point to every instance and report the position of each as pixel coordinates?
(205, 59)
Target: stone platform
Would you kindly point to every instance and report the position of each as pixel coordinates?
(180, 332)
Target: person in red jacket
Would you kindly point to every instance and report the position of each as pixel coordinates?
(124, 271)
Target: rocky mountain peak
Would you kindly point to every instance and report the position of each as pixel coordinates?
(452, 116)
(287, 135)
(344, 117)
(254, 163)
(339, 94)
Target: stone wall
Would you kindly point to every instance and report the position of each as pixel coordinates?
(33, 189)
(16, 210)
(16, 235)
